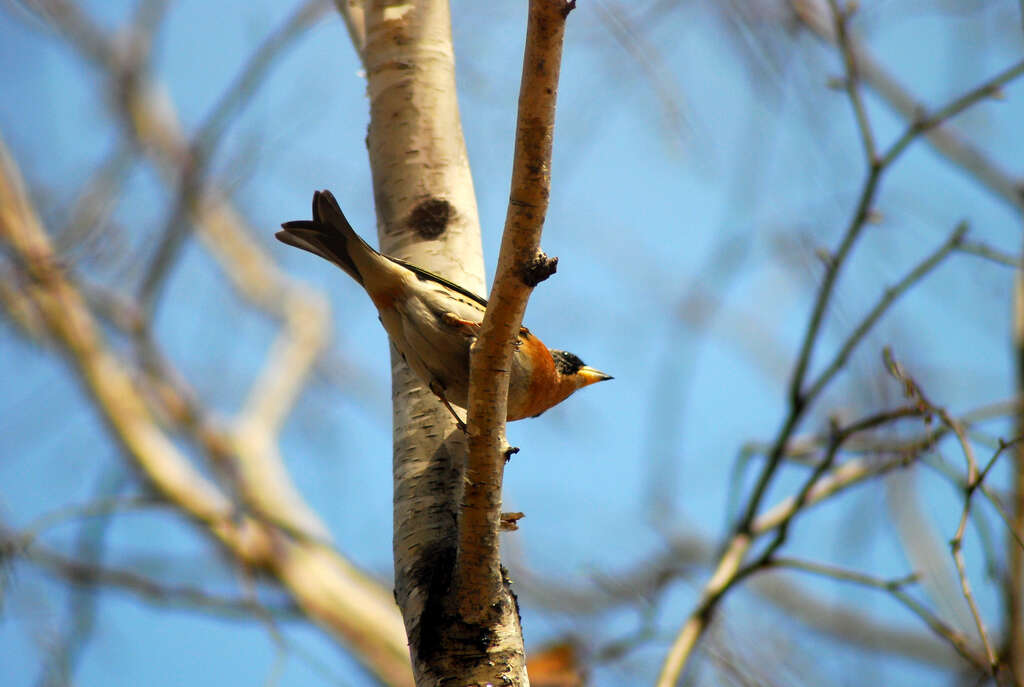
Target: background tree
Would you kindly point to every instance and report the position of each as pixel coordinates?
(751, 202)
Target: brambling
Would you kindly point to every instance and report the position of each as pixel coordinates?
(432, 322)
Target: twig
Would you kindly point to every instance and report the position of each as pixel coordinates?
(87, 574)
(852, 81)
(90, 547)
(94, 509)
(889, 296)
(988, 253)
(923, 123)
(974, 480)
(895, 589)
(798, 399)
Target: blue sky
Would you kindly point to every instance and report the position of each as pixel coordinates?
(708, 172)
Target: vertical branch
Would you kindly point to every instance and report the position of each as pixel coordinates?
(521, 265)
(840, 15)
(1014, 585)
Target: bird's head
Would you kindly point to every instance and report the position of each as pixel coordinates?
(574, 374)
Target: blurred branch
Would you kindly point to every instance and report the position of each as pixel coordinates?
(70, 323)
(304, 313)
(254, 73)
(651, 63)
(895, 588)
(354, 15)
(840, 16)
(730, 568)
(988, 253)
(946, 139)
(154, 126)
(328, 588)
(194, 161)
(86, 573)
(90, 547)
(851, 624)
(889, 296)
(76, 26)
(96, 201)
(1013, 585)
(974, 479)
(18, 306)
(97, 508)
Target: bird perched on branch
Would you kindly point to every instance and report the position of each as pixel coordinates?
(433, 322)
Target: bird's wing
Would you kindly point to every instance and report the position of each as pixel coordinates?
(430, 276)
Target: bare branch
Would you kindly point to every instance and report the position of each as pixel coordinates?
(840, 16)
(988, 253)
(974, 480)
(329, 589)
(88, 574)
(731, 569)
(889, 296)
(894, 588)
(945, 138)
(921, 124)
(478, 580)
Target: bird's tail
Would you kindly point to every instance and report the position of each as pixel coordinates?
(328, 235)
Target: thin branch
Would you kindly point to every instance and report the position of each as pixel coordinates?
(192, 171)
(889, 296)
(955, 478)
(88, 574)
(730, 569)
(988, 253)
(974, 479)
(895, 589)
(798, 399)
(255, 71)
(919, 125)
(99, 508)
(90, 547)
(945, 138)
(852, 81)
(1013, 583)
(521, 265)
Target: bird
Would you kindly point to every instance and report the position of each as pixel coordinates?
(432, 322)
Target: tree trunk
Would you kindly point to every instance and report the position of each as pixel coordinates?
(427, 214)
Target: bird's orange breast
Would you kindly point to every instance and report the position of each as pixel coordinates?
(538, 392)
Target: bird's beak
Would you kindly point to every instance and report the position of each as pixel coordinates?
(591, 376)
